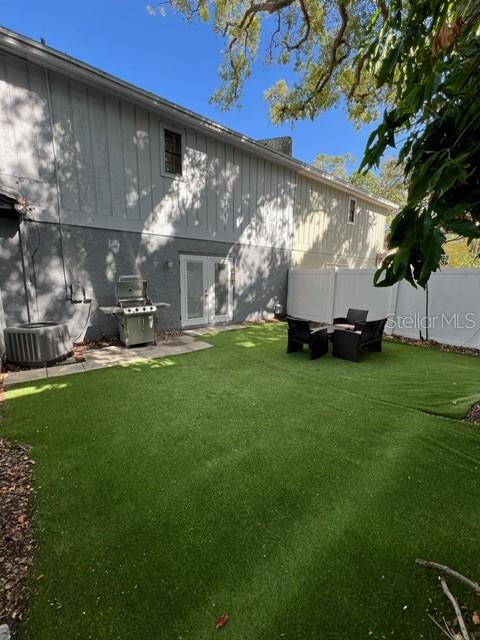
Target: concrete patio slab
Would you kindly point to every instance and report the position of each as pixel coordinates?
(65, 370)
(25, 376)
(202, 331)
(110, 357)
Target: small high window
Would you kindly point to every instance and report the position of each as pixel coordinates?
(352, 210)
(173, 152)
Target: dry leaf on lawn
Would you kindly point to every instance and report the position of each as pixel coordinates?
(222, 621)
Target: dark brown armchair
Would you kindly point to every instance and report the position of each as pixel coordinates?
(353, 317)
(299, 333)
(347, 344)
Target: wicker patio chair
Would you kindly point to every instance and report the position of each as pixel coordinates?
(299, 333)
(347, 344)
(353, 317)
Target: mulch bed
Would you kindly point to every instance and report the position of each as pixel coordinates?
(16, 541)
(172, 333)
(433, 344)
(100, 343)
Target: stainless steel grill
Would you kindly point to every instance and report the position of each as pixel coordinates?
(134, 311)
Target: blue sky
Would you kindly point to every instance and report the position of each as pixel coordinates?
(176, 60)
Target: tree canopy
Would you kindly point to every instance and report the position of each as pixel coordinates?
(460, 254)
(417, 62)
(386, 182)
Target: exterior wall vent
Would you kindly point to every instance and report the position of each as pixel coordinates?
(37, 343)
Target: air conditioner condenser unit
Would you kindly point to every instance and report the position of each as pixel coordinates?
(37, 343)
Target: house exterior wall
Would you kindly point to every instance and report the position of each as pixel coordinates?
(94, 258)
(322, 235)
(93, 161)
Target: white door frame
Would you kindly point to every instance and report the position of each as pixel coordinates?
(209, 316)
(186, 322)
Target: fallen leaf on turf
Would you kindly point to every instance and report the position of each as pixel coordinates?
(222, 621)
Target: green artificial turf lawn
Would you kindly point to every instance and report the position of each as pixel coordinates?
(292, 495)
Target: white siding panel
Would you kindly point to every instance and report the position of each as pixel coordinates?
(132, 195)
(83, 149)
(201, 220)
(65, 143)
(213, 187)
(21, 109)
(115, 157)
(230, 177)
(260, 221)
(246, 189)
(237, 190)
(142, 142)
(158, 183)
(222, 193)
(26, 156)
(193, 177)
(253, 196)
(100, 159)
(41, 120)
(278, 181)
(7, 130)
(267, 198)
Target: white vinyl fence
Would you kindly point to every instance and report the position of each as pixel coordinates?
(452, 316)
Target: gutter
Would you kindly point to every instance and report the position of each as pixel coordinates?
(54, 60)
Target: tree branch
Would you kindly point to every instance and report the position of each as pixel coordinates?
(383, 9)
(269, 6)
(474, 586)
(446, 631)
(334, 59)
(361, 62)
(358, 75)
(306, 33)
(456, 606)
(273, 41)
